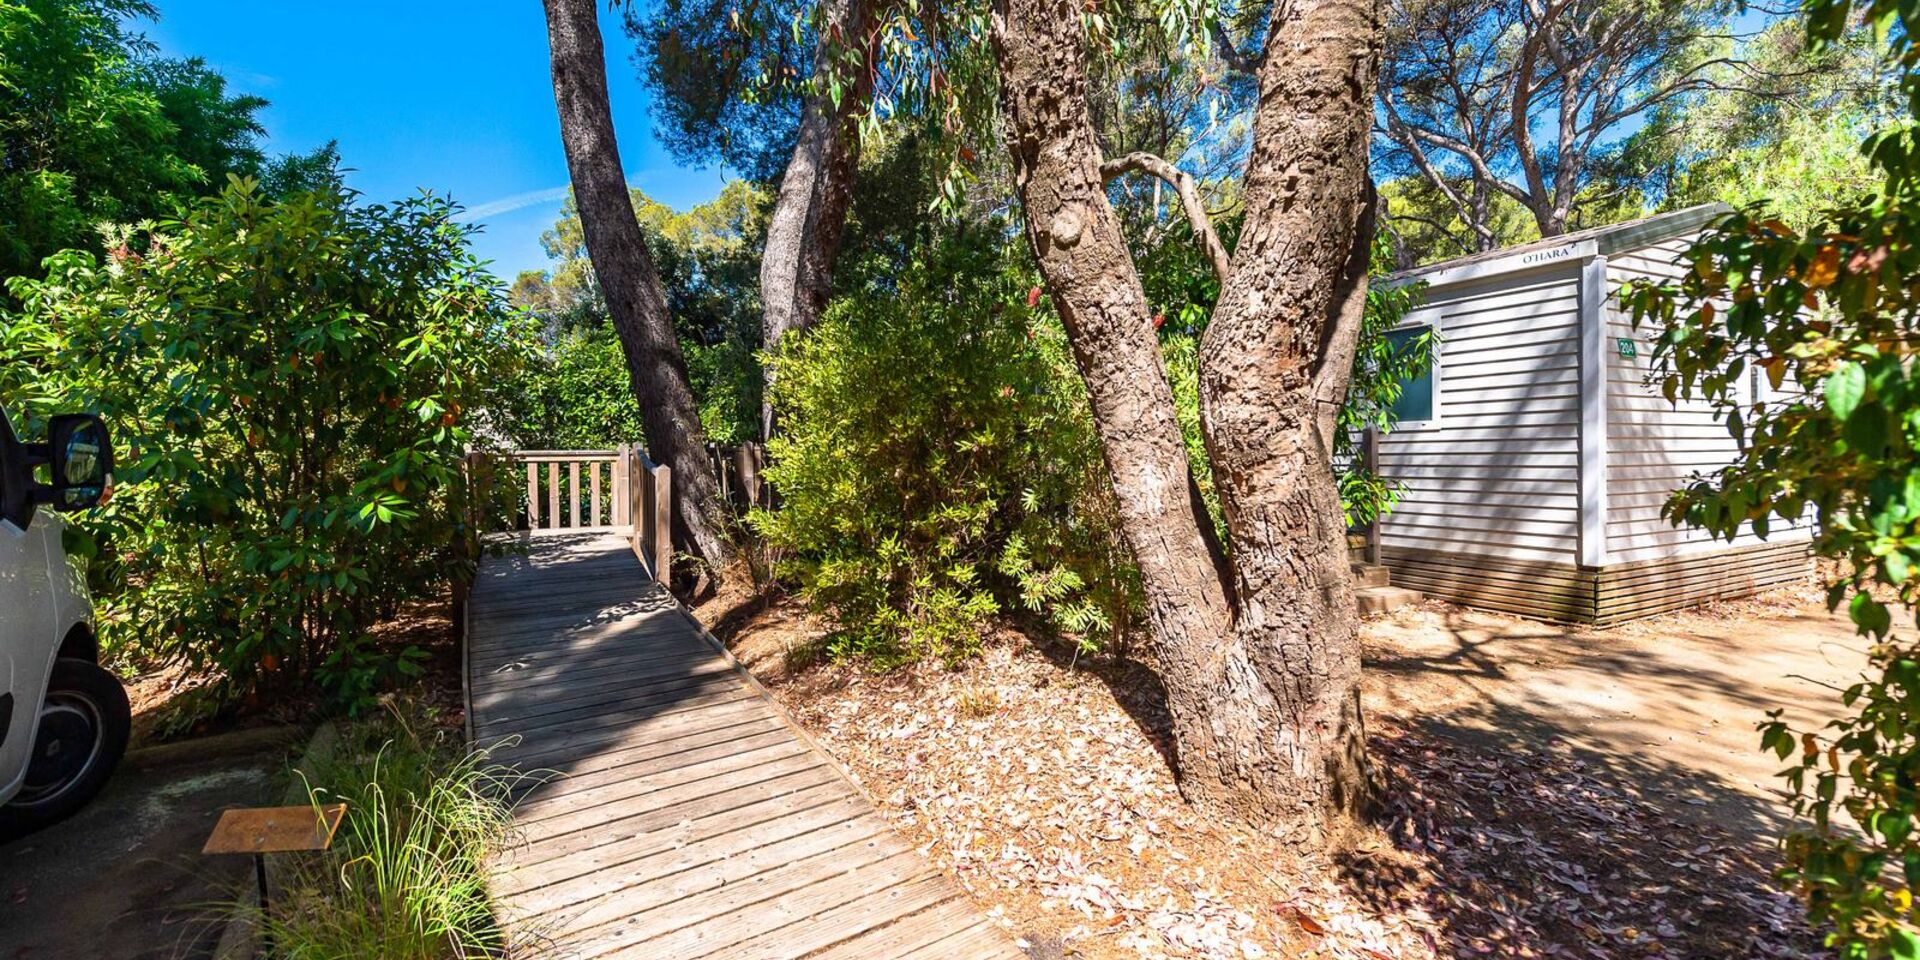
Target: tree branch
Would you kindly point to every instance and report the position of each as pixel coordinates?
(1230, 52)
(1188, 190)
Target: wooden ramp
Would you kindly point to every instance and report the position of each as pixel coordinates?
(685, 817)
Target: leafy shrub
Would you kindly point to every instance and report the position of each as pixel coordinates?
(292, 387)
(406, 878)
(939, 466)
(1828, 317)
(708, 259)
(578, 396)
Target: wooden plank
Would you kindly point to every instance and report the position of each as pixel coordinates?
(672, 804)
(275, 829)
(667, 752)
(586, 747)
(569, 750)
(810, 787)
(976, 942)
(539, 674)
(577, 791)
(777, 905)
(708, 797)
(594, 470)
(514, 619)
(630, 795)
(613, 637)
(873, 908)
(621, 479)
(533, 499)
(618, 639)
(663, 770)
(634, 646)
(573, 492)
(762, 823)
(626, 717)
(670, 876)
(680, 690)
(946, 926)
(578, 690)
(553, 496)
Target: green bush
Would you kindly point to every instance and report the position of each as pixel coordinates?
(578, 397)
(939, 466)
(292, 386)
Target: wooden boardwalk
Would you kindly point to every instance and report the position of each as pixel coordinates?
(685, 817)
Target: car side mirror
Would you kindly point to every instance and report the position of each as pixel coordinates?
(80, 456)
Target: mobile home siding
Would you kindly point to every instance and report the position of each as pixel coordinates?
(1538, 488)
(1490, 512)
(1654, 447)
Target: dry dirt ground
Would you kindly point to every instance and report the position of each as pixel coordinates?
(1551, 791)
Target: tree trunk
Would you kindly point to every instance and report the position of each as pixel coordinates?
(1274, 364)
(1259, 655)
(631, 286)
(810, 212)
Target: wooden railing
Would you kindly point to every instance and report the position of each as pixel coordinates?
(587, 490)
(650, 505)
(567, 483)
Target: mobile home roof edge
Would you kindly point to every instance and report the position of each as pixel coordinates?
(1566, 248)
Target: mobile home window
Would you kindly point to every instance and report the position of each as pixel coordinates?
(1416, 403)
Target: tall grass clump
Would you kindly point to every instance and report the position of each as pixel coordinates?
(406, 877)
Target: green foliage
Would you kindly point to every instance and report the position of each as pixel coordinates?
(292, 387)
(1782, 123)
(578, 397)
(708, 260)
(94, 127)
(406, 878)
(1828, 317)
(939, 464)
(1422, 226)
(1380, 369)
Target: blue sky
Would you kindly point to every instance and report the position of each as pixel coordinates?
(452, 97)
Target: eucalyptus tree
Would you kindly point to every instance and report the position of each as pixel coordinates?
(1255, 638)
(628, 281)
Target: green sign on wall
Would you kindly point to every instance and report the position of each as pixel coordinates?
(1628, 348)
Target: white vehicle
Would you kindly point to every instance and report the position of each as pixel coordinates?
(63, 719)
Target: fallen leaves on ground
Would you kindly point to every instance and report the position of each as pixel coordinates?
(1044, 790)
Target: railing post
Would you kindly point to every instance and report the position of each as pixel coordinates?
(619, 498)
(553, 495)
(637, 481)
(663, 524)
(533, 497)
(1370, 452)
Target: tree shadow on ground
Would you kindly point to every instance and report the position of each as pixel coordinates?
(1526, 822)
(1134, 683)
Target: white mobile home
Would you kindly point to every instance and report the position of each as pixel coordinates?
(1537, 455)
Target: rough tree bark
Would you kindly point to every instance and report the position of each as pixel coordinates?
(810, 211)
(1259, 654)
(628, 280)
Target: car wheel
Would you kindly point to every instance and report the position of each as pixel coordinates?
(82, 733)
